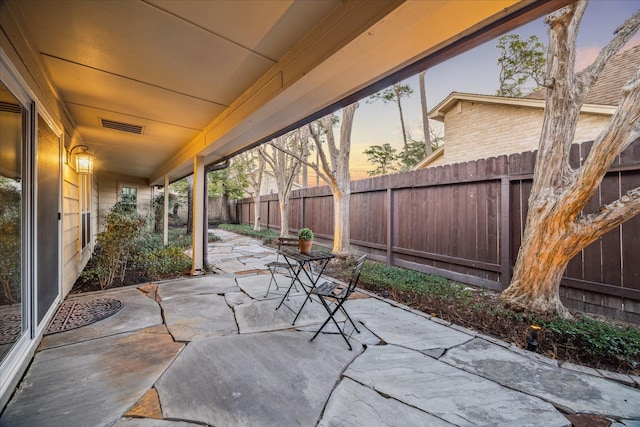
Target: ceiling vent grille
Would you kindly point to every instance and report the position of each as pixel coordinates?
(8, 107)
(122, 127)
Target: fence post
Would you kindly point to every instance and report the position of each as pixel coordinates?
(390, 228)
(302, 211)
(505, 228)
(268, 212)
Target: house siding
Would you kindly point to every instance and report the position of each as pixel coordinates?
(477, 130)
(109, 185)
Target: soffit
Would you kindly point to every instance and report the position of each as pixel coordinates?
(212, 77)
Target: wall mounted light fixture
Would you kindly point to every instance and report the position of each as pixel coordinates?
(83, 161)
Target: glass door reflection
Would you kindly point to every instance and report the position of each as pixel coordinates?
(12, 131)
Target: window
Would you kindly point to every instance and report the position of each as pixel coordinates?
(129, 198)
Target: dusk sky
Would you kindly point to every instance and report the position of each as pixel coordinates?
(475, 71)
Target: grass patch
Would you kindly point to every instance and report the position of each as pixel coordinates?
(267, 236)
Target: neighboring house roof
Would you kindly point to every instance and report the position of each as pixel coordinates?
(606, 90)
(603, 97)
(430, 158)
(450, 101)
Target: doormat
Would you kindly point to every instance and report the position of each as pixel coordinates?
(10, 327)
(76, 314)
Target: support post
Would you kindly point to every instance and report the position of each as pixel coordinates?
(205, 221)
(197, 220)
(165, 223)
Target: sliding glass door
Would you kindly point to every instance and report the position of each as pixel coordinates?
(13, 310)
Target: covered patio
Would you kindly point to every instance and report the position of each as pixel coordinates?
(159, 90)
(214, 351)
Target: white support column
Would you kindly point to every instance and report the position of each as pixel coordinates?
(165, 223)
(198, 214)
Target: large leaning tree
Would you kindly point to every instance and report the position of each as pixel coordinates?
(557, 228)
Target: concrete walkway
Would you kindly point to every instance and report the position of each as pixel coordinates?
(213, 351)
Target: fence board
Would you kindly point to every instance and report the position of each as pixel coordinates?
(449, 218)
(631, 237)
(632, 154)
(610, 242)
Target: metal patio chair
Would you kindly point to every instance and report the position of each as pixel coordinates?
(334, 294)
(278, 264)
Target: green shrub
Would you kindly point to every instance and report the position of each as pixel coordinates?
(606, 341)
(167, 261)
(402, 279)
(114, 246)
(158, 261)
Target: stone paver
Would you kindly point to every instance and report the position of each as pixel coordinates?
(146, 422)
(353, 404)
(262, 316)
(91, 383)
(568, 389)
(209, 284)
(237, 298)
(267, 379)
(197, 317)
(448, 393)
(396, 326)
(256, 286)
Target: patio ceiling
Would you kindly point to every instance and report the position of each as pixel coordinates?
(213, 77)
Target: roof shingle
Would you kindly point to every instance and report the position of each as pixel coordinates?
(606, 91)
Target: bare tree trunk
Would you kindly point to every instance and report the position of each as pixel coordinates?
(556, 228)
(335, 170)
(305, 176)
(425, 115)
(397, 90)
(257, 185)
(284, 220)
(256, 210)
(341, 226)
(285, 160)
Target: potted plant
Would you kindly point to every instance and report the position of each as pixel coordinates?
(305, 240)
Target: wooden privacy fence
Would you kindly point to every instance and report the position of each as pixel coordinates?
(465, 221)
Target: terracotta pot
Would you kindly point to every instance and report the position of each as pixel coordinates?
(305, 246)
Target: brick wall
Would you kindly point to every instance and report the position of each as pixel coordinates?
(477, 130)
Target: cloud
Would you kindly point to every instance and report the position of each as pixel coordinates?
(586, 55)
(634, 41)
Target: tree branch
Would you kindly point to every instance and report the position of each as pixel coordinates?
(326, 166)
(591, 227)
(327, 124)
(622, 129)
(306, 162)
